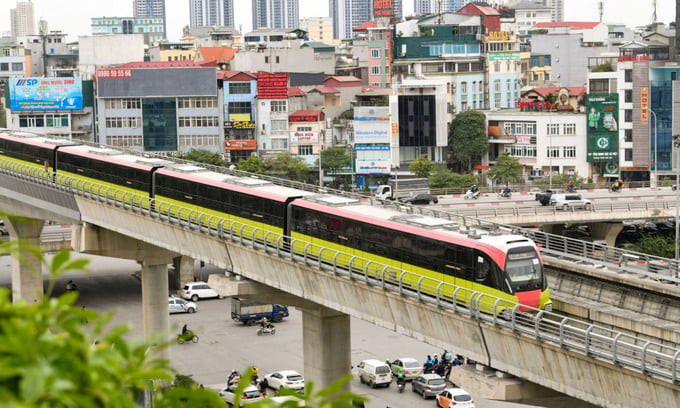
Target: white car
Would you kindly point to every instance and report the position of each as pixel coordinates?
(198, 290)
(454, 398)
(178, 305)
(250, 394)
(285, 379)
(570, 200)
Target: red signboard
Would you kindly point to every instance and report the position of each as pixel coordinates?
(383, 8)
(303, 119)
(113, 73)
(535, 105)
(240, 145)
(644, 103)
(481, 167)
(272, 86)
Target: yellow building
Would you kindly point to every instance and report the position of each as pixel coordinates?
(318, 28)
(172, 52)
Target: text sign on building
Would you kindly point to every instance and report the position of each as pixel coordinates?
(602, 116)
(644, 103)
(304, 137)
(504, 56)
(383, 8)
(45, 94)
(372, 124)
(240, 144)
(499, 36)
(272, 86)
(373, 166)
(371, 147)
(113, 73)
(239, 125)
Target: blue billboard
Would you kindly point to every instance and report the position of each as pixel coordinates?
(45, 94)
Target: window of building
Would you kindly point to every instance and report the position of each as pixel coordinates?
(628, 154)
(279, 106)
(599, 86)
(124, 141)
(628, 95)
(375, 53)
(124, 103)
(17, 66)
(266, 60)
(198, 140)
(304, 128)
(628, 115)
(497, 67)
(4, 66)
(239, 107)
(521, 150)
(375, 70)
(277, 59)
(463, 106)
(279, 144)
(553, 129)
(198, 102)
(553, 151)
(569, 129)
(463, 87)
(239, 87)
(125, 122)
(56, 120)
(198, 121)
(279, 125)
(569, 151)
(304, 150)
(497, 85)
(31, 121)
(628, 135)
(628, 75)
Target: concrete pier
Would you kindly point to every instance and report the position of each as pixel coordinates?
(27, 279)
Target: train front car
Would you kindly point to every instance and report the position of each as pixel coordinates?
(31, 149)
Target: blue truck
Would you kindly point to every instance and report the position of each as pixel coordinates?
(250, 312)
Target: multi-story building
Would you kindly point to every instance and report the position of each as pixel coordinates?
(50, 54)
(211, 13)
(214, 36)
(318, 28)
(423, 7)
(556, 9)
(272, 114)
(380, 57)
(14, 62)
(153, 106)
(503, 73)
(151, 27)
(307, 134)
(240, 123)
(150, 8)
(275, 14)
(165, 51)
(347, 14)
(103, 51)
(528, 13)
(22, 19)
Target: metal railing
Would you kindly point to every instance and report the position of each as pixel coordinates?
(650, 358)
(549, 209)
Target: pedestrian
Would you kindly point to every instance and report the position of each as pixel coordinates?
(427, 366)
(262, 385)
(447, 356)
(435, 360)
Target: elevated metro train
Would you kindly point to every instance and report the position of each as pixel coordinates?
(503, 265)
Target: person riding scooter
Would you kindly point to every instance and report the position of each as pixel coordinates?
(570, 188)
(617, 185)
(506, 192)
(401, 380)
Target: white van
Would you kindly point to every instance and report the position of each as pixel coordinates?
(198, 290)
(374, 372)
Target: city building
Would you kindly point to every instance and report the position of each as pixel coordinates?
(424, 7)
(166, 51)
(347, 14)
(528, 13)
(503, 73)
(150, 8)
(14, 62)
(318, 28)
(214, 36)
(491, 18)
(373, 144)
(104, 51)
(151, 27)
(380, 57)
(22, 19)
(156, 106)
(222, 56)
(240, 123)
(50, 54)
(272, 114)
(275, 14)
(56, 107)
(210, 13)
(307, 135)
(556, 9)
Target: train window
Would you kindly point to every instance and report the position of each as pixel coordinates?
(483, 268)
(523, 266)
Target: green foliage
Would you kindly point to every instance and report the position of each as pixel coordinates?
(348, 114)
(506, 169)
(443, 178)
(561, 180)
(334, 158)
(3, 117)
(288, 166)
(550, 98)
(205, 156)
(467, 138)
(656, 245)
(606, 66)
(253, 164)
(333, 396)
(421, 167)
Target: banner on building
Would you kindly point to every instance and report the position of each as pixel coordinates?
(504, 56)
(272, 86)
(373, 167)
(240, 144)
(239, 125)
(372, 124)
(644, 103)
(304, 137)
(383, 8)
(239, 117)
(602, 117)
(45, 94)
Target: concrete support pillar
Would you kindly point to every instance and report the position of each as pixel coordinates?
(553, 228)
(27, 279)
(607, 231)
(184, 271)
(326, 345)
(155, 303)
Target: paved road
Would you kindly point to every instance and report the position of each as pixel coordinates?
(225, 345)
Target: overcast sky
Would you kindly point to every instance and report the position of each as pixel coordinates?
(73, 16)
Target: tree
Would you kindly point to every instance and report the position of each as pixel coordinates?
(205, 156)
(606, 66)
(253, 164)
(421, 167)
(654, 245)
(334, 158)
(288, 166)
(467, 138)
(550, 98)
(444, 178)
(506, 169)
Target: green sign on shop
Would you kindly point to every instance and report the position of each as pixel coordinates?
(602, 117)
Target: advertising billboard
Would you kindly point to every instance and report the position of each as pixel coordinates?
(45, 94)
(602, 116)
(383, 8)
(272, 86)
(304, 137)
(240, 144)
(372, 124)
(373, 167)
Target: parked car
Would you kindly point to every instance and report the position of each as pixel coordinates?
(570, 200)
(178, 305)
(250, 394)
(422, 198)
(454, 398)
(428, 385)
(374, 372)
(410, 366)
(544, 197)
(285, 379)
(198, 290)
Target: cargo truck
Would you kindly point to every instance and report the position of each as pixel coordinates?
(249, 311)
(402, 188)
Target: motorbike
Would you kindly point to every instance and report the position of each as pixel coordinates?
(187, 337)
(71, 287)
(471, 195)
(269, 329)
(615, 189)
(400, 386)
(506, 195)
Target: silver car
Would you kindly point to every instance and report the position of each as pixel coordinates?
(428, 385)
(178, 305)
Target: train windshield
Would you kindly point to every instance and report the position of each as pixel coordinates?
(523, 267)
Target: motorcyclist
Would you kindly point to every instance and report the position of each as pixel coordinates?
(505, 192)
(233, 378)
(617, 185)
(401, 378)
(570, 187)
(184, 330)
(265, 323)
(474, 188)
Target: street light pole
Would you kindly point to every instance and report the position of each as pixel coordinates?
(676, 145)
(656, 149)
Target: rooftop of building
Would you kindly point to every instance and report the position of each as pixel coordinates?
(217, 53)
(227, 75)
(365, 26)
(528, 5)
(316, 113)
(573, 90)
(343, 78)
(324, 90)
(484, 8)
(160, 64)
(571, 24)
(295, 91)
